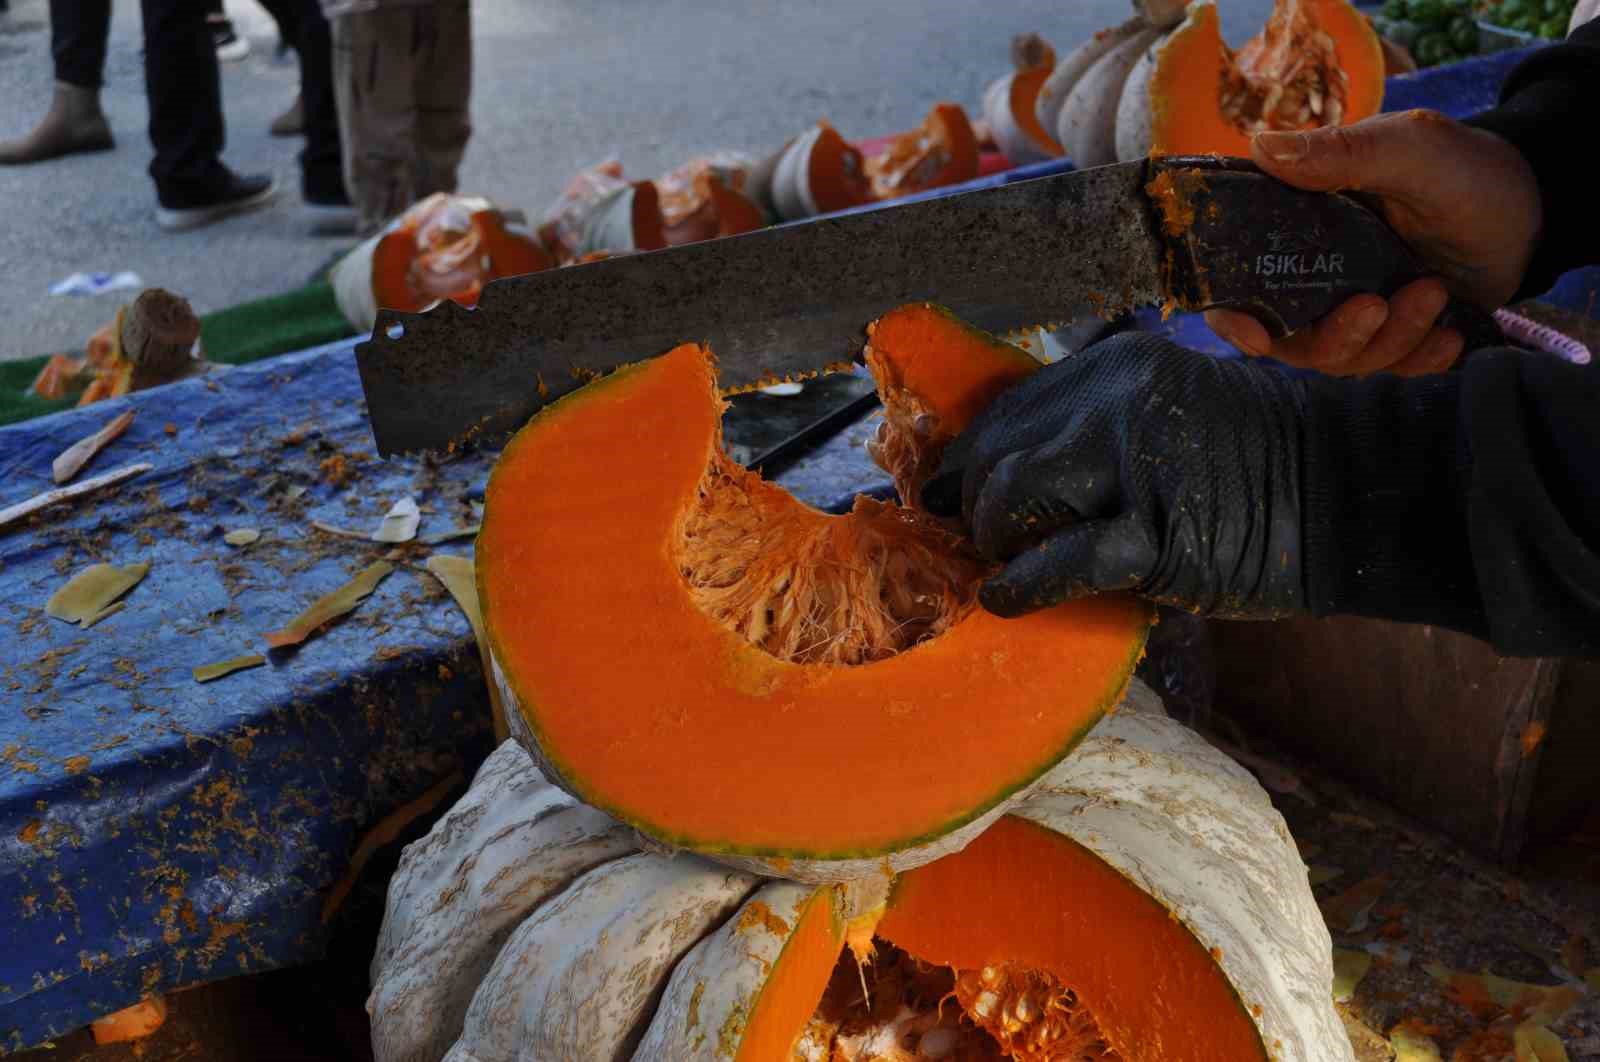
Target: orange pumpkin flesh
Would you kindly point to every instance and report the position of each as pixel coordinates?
(1024, 945)
(942, 150)
(700, 205)
(790, 993)
(1034, 60)
(1023, 895)
(449, 247)
(626, 567)
(1206, 100)
(837, 173)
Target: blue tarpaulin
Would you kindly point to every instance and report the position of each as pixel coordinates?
(156, 831)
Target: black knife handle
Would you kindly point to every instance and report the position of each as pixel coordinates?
(1242, 240)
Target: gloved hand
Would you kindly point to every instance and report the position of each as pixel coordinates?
(1136, 465)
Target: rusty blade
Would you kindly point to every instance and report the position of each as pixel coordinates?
(782, 302)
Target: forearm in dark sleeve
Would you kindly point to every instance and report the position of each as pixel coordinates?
(1469, 501)
(1546, 111)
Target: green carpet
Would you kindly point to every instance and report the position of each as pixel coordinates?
(305, 318)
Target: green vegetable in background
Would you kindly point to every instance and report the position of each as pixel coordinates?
(1464, 35)
(1403, 33)
(1395, 9)
(1432, 48)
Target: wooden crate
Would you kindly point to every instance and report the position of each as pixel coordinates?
(1432, 722)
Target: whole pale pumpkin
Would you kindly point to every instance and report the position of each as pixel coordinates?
(1147, 902)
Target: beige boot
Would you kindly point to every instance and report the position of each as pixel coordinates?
(73, 123)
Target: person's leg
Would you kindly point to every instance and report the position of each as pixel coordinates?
(74, 121)
(444, 90)
(184, 88)
(373, 60)
(321, 162)
(79, 30)
(295, 18)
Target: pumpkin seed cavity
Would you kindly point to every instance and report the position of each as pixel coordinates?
(816, 589)
(913, 1011)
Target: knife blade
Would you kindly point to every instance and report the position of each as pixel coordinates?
(794, 300)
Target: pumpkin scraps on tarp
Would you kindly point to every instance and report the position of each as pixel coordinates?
(152, 340)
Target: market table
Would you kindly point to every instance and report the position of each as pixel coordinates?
(157, 832)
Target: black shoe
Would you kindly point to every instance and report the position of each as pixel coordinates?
(188, 207)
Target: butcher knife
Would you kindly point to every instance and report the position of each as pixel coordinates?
(1183, 233)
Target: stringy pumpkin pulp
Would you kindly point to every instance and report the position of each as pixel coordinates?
(898, 1009)
(817, 589)
(1288, 77)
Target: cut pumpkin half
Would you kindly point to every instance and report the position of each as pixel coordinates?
(1315, 63)
(1146, 904)
(693, 650)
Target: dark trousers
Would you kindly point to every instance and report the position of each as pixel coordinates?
(184, 85)
(306, 31)
(78, 32)
(181, 81)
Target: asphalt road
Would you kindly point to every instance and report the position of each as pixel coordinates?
(558, 85)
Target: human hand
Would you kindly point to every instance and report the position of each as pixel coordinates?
(1135, 465)
(1464, 200)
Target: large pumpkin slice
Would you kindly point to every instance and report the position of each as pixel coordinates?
(691, 649)
(1147, 903)
(1315, 63)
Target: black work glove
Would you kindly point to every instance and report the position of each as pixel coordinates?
(1136, 465)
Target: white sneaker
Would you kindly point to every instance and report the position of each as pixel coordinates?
(230, 46)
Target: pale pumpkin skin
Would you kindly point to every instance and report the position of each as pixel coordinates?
(1087, 124)
(509, 844)
(578, 979)
(1070, 70)
(716, 986)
